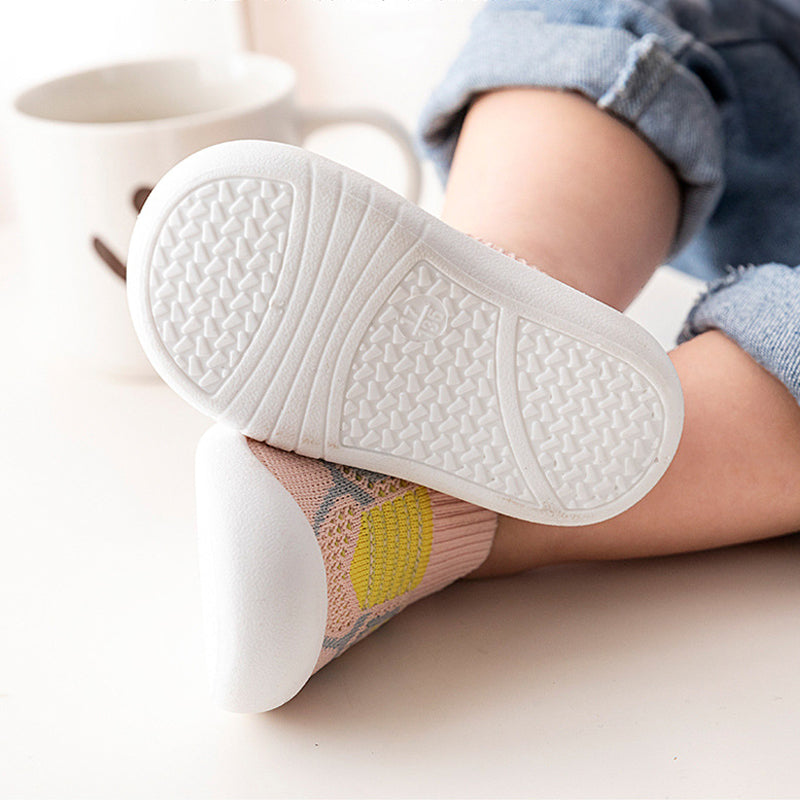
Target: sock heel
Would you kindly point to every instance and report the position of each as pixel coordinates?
(258, 554)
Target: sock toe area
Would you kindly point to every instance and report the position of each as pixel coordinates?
(262, 576)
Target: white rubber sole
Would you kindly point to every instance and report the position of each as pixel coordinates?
(264, 591)
(309, 307)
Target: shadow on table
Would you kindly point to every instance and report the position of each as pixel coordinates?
(530, 641)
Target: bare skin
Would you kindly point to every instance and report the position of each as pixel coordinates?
(581, 196)
(565, 186)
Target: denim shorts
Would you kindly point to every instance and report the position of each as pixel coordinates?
(714, 87)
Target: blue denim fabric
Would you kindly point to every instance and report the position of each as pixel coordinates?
(759, 308)
(714, 87)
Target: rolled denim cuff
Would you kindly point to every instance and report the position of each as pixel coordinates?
(620, 54)
(759, 309)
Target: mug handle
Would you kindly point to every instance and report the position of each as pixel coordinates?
(311, 119)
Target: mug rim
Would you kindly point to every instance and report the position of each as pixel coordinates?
(289, 79)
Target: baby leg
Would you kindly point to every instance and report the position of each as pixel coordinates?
(582, 197)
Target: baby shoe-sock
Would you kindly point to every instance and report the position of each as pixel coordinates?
(301, 558)
(311, 308)
(385, 542)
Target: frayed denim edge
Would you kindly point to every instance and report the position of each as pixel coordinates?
(734, 275)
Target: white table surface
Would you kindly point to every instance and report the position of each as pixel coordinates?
(672, 677)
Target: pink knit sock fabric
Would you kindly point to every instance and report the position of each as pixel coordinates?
(385, 542)
(509, 253)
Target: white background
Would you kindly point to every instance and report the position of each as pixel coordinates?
(383, 53)
(40, 40)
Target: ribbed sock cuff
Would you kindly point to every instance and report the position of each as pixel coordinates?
(462, 538)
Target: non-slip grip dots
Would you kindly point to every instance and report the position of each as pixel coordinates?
(594, 422)
(423, 385)
(214, 270)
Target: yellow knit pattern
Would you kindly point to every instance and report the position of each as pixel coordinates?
(394, 545)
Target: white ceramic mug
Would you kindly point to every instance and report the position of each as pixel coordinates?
(89, 146)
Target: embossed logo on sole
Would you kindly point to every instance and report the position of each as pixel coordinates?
(423, 317)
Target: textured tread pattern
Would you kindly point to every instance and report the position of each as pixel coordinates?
(422, 385)
(594, 422)
(214, 271)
